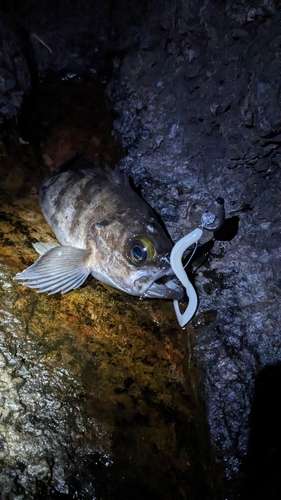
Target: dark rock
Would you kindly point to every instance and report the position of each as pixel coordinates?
(233, 102)
(15, 75)
(196, 91)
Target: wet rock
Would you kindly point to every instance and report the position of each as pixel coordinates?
(93, 397)
(71, 41)
(214, 115)
(15, 75)
(196, 90)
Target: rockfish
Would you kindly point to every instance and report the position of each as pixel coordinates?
(105, 229)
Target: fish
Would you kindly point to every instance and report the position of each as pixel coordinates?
(104, 229)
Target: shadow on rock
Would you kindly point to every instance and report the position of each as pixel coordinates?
(229, 230)
(263, 463)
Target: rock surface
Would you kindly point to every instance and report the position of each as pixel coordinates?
(196, 88)
(94, 401)
(15, 73)
(199, 112)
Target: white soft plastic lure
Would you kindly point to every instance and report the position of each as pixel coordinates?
(177, 266)
(212, 220)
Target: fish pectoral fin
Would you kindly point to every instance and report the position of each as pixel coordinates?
(59, 269)
(42, 248)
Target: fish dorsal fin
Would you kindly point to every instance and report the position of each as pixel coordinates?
(79, 163)
(115, 175)
(59, 269)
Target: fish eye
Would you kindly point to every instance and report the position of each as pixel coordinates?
(141, 250)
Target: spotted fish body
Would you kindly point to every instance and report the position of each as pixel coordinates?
(105, 229)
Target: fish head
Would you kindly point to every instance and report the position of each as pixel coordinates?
(134, 260)
(151, 272)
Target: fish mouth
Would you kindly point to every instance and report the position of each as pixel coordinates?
(163, 285)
